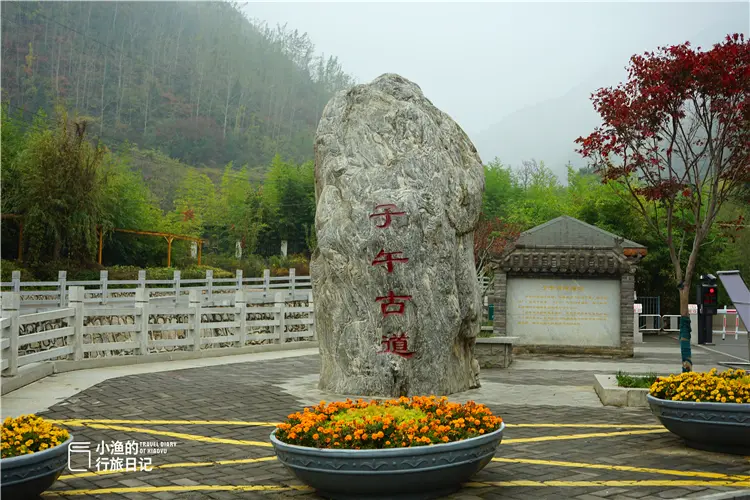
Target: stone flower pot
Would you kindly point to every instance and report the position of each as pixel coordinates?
(27, 476)
(414, 473)
(722, 427)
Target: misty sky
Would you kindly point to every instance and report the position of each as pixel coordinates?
(481, 62)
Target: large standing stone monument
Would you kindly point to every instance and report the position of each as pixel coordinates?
(399, 189)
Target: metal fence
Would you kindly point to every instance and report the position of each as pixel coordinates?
(650, 319)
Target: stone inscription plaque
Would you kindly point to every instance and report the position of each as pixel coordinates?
(555, 311)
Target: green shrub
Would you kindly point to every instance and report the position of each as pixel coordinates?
(8, 266)
(280, 265)
(252, 266)
(635, 381)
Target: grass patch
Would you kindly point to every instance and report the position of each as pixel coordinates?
(635, 381)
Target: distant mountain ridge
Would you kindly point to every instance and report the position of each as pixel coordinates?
(196, 80)
(546, 131)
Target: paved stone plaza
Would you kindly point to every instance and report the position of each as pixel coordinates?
(560, 442)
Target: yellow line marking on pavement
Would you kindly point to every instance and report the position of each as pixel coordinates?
(554, 463)
(158, 489)
(485, 484)
(589, 435)
(626, 468)
(75, 422)
(207, 439)
(188, 437)
(80, 422)
(675, 483)
(590, 426)
(170, 466)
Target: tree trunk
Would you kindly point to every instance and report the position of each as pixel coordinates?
(57, 249)
(685, 299)
(57, 70)
(101, 102)
(198, 98)
(177, 45)
(119, 83)
(226, 105)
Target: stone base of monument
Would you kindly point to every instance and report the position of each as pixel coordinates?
(413, 473)
(718, 427)
(494, 352)
(539, 350)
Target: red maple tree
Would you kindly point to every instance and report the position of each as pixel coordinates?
(491, 237)
(677, 134)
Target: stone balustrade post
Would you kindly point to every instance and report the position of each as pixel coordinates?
(103, 275)
(311, 304)
(176, 279)
(209, 284)
(11, 305)
(76, 296)
(195, 306)
(62, 287)
(280, 307)
(241, 317)
(142, 307)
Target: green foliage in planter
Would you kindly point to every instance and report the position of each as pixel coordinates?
(635, 381)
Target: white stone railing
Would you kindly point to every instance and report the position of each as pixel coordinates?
(145, 327)
(43, 295)
(36, 296)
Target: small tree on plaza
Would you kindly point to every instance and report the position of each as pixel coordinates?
(676, 134)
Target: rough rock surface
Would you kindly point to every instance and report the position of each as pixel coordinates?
(385, 143)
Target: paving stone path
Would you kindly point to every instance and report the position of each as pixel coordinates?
(559, 451)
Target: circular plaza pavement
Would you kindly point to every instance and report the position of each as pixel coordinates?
(204, 433)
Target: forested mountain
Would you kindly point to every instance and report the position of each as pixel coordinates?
(196, 80)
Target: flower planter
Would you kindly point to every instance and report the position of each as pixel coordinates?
(413, 473)
(27, 476)
(722, 427)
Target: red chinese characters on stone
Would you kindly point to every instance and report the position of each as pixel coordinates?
(388, 259)
(387, 214)
(392, 303)
(396, 344)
